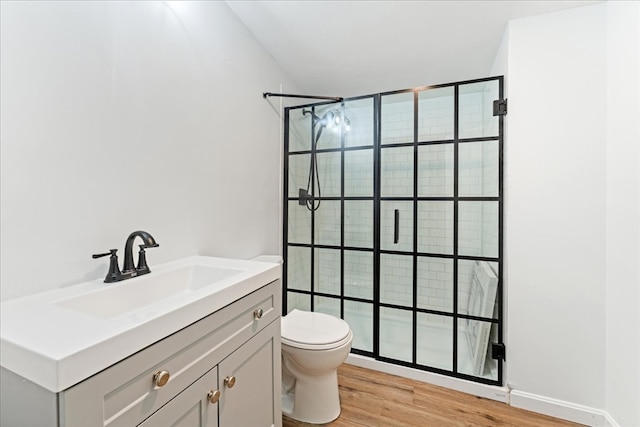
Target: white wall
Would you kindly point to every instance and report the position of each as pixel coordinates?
(556, 206)
(623, 211)
(118, 116)
(572, 209)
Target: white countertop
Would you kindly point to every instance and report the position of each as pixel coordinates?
(57, 347)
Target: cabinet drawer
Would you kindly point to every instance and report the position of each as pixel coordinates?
(125, 394)
(191, 407)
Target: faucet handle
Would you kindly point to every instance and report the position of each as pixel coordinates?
(111, 252)
(142, 267)
(114, 274)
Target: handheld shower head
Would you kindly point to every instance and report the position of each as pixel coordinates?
(328, 119)
(331, 119)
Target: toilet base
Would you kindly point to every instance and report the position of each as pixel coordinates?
(314, 400)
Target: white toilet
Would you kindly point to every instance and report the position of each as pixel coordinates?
(313, 346)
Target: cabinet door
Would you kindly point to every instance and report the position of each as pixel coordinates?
(250, 382)
(191, 408)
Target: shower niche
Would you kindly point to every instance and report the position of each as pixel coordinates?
(393, 222)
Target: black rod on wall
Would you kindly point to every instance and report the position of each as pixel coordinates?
(288, 95)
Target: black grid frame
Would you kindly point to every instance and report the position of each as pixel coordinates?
(376, 198)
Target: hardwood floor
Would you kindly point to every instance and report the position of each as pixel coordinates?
(374, 399)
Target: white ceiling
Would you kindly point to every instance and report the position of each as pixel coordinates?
(349, 48)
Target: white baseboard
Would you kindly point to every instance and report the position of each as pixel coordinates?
(518, 399)
(501, 394)
(609, 422)
(561, 409)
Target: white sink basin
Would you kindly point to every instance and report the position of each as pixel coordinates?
(138, 293)
(61, 337)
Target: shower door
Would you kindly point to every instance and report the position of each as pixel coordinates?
(393, 222)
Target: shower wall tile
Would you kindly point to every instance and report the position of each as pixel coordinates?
(435, 283)
(435, 341)
(299, 268)
(298, 173)
(435, 170)
(490, 124)
(471, 118)
(397, 118)
(299, 301)
(360, 114)
(478, 169)
(359, 316)
(329, 167)
(358, 274)
(396, 279)
(327, 223)
(396, 333)
(435, 114)
(326, 305)
(358, 173)
(358, 223)
(490, 229)
(476, 109)
(470, 169)
(298, 223)
(490, 163)
(435, 227)
(478, 228)
(396, 165)
(327, 271)
(299, 131)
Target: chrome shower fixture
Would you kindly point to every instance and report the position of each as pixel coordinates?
(330, 120)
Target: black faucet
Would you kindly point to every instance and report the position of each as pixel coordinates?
(128, 270)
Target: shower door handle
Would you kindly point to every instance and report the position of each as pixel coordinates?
(396, 226)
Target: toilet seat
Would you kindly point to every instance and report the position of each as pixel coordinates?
(314, 331)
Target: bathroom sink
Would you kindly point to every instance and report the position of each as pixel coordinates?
(136, 294)
(60, 337)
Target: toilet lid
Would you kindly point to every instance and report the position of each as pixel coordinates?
(315, 329)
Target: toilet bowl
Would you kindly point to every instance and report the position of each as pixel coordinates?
(313, 346)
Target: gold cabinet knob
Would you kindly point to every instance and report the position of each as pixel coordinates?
(160, 378)
(257, 313)
(230, 381)
(213, 396)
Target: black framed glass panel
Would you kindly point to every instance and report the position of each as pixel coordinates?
(400, 227)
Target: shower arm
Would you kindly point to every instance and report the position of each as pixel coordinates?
(288, 95)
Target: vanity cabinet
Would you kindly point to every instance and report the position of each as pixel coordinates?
(242, 397)
(223, 370)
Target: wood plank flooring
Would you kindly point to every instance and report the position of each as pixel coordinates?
(375, 399)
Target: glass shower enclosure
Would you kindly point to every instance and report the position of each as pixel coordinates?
(393, 222)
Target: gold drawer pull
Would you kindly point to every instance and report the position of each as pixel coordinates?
(230, 381)
(160, 378)
(213, 396)
(257, 313)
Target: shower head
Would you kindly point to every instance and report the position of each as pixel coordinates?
(330, 119)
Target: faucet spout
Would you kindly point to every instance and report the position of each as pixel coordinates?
(148, 242)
